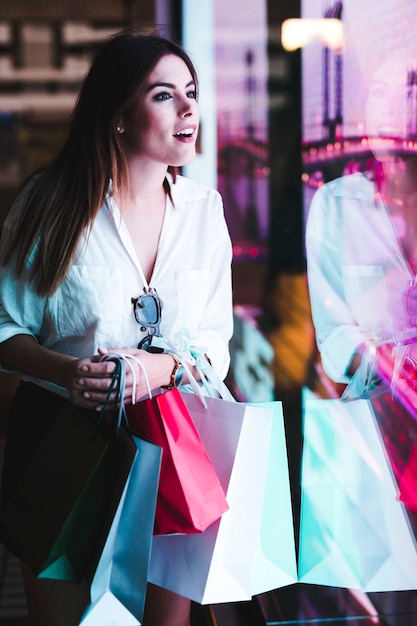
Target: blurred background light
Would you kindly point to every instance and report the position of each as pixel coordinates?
(297, 33)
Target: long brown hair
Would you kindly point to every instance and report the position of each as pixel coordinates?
(63, 199)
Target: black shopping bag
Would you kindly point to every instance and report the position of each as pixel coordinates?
(60, 512)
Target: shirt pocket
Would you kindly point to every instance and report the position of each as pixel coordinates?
(192, 289)
(89, 302)
(366, 293)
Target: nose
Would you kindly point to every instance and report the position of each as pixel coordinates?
(393, 105)
(186, 106)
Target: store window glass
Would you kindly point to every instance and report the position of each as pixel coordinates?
(359, 172)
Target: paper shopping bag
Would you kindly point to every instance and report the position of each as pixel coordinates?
(190, 496)
(395, 414)
(275, 558)
(118, 588)
(354, 532)
(396, 421)
(59, 516)
(242, 553)
(408, 482)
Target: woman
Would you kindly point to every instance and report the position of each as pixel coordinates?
(106, 223)
(362, 251)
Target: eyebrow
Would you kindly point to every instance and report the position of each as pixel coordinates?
(169, 85)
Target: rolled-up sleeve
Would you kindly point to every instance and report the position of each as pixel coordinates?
(21, 310)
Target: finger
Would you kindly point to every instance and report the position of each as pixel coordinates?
(96, 368)
(95, 384)
(96, 397)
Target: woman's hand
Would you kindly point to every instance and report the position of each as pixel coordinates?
(88, 381)
(158, 368)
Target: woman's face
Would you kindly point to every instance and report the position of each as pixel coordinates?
(162, 126)
(388, 110)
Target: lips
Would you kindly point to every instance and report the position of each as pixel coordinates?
(388, 131)
(186, 132)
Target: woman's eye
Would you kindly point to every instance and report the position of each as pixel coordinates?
(164, 95)
(192, 94)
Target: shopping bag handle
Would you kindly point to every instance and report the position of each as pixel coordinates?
(124, 357)
(208, 376)
(211, 380)
(118, 383)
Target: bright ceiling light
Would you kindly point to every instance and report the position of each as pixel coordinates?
(297, 33)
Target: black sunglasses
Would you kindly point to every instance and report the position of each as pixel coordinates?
(147, 310)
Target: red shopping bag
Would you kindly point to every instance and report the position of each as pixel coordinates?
(190, 496)
(408, 482)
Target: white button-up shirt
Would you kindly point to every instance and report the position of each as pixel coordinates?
(92, 308)
(357, 272)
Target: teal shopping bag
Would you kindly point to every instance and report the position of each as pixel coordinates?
(354, 531)
(118, 588)
(275, 559)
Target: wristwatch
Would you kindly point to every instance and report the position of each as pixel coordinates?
(177, 374)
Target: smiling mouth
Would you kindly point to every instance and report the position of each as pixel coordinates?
(187, 132)
(388, 132)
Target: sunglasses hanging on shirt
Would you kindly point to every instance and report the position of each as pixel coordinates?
(147, 311)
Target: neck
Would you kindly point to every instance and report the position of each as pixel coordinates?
(146, 187)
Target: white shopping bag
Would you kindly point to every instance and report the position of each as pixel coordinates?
(236, 556)
(354, 532)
